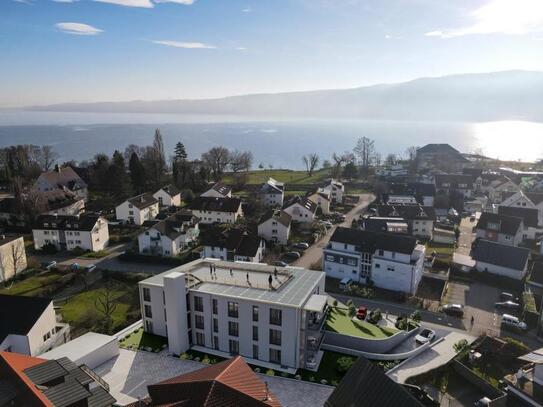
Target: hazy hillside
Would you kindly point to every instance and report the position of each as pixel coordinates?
(470, 97)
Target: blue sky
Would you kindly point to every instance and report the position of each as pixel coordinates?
(94, 50)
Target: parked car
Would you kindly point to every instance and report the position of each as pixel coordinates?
(425, 336)
(48, 265)
(508, 305)
(301, 246)
(280, 263)
(327, 224)
(484, 402)
(512, 322)
(504, 296)
(90, 267)
(292, 255)
(361, 312)
(345, 283)
(75, 266)
(455, 310)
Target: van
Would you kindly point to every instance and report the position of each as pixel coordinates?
(512, 322)
(345, 283)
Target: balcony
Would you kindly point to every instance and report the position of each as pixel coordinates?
(523, 382)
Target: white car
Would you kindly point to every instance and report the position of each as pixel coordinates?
(425, 336)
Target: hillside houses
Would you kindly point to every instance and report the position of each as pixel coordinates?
(301, 209)
(168, 195)
(272, 193)
(274, 226)
(461, 184)
(233, 245)
(322, 198)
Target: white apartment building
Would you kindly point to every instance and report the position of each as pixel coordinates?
(217, 210)
(272, 317)
(392, 261)
(498, 228)
(12, 256)
(138, 209)
(274, 226)
(168, 195)
(301, 209)
(272, 193)
(219, 190)
(170, 236)
(88, 232)
(29, 325)
(336, 190)
(420, 218)
(322, 199)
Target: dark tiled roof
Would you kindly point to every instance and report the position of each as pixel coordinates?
(143, 201)
(280, 216)
(366, 385)
(66, 177)
(368, 241)
(409, 212)
(216, 204)
(535, 197)
(239, 241)
(174, 225)
(500, 255)
(171, 190)
(83, 222)
(440, 149)
(18, 314)
(528, 215)
(454, 180)
(222, 189)
(412, 188)
(537, 272)
(306, 203)
(507, 224)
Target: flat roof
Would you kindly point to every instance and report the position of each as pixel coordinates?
(316, 303)
(79, 347)
(291, 286)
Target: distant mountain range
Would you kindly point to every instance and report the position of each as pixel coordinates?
(508, 95)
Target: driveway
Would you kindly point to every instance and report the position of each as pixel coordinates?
(314, 253)
(66, 258)
(466, 236)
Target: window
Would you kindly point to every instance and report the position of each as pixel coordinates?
(233, 346)
(200, 339)
(214, 302)
(149, 327)
(215, 342)
(233, 328)
(199, 321)
(46, 336)
(255, 351)
(377, 266)
(381, 252)
(233, 311)
(275, 356)
(198, 304)
(255, 313)
(255, 333)
(146, 294)
(148, 311)
(215, 325)
(275, 337)
(329, 257)
(345, 246)
(275, 316)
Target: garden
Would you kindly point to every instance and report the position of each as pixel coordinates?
(141, 340)
(340, 320)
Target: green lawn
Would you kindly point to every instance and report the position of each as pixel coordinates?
(139, 338)
(339, 321)
(95, 255)
(286, 176)
(440, 249)
(328, 369)
(33, 286)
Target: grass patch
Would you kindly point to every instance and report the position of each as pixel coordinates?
(338, 320)
(443, 250)
(95, 255)
(286, 176)
(328, 369)
(34, 286)
(139, 338)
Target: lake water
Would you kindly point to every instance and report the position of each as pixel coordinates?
(276, 142)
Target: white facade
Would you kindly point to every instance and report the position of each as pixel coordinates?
(272, 193)
(12, 257)
(520, 200)
(500, 237)
(422, 228)
(336, 190)
(501, 270)
(300, 213)
(260, 327)
(402, 199)
(132, 214)
(222, 253)
(274, 231)
(154, 242)
(322, 199)
(209, 217)
(165, 199)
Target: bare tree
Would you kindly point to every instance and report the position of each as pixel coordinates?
(217, 158)
(339, 161)
(105, 303)
(17, 256)
(391, 159)
(412, 158)
(240, 160)
(365, 151)
(311, 161)
(48, 157)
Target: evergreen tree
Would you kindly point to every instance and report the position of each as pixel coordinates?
(137, 173)
(180, 152)
(119, 180)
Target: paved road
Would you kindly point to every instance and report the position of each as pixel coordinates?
(314, 253)
(466, 236)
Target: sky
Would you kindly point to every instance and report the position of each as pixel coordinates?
(54, 51)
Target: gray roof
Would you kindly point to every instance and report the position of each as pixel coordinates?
(143, 201)
(498, 254)
(506, 224)
(280, 216)
(171, 190)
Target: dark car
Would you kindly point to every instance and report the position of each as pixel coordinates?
(508, 305)
(280, 263)
(455, 310)
(301, 246)
(48, 265)
(292, 255)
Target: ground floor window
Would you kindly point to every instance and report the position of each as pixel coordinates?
(200, 339)
(233, 346)
(149, 327)
(275, 356)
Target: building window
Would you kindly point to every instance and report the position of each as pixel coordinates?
(255, 313)
(275, 356)
(148, 311)
(275, 316)
(214, 302)
(215, 325)
(149, 327)
(233, 328)
(198, 304)
(233, 346)
(200, 339)
(255, 351)
(216, 342)
(381, 252)
(146, 294)
(233, 311)
(199, 321)
(255, 333)
(275, 337)
(377, 266)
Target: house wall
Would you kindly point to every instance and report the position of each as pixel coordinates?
(423, 228)
(158, 308)
(45, 325)
(15, 343)
(214, 252)
(165, 199)
(300, 213)
(503, 238)
(208, 217)
(322, 202)
(501, 271)
(129, 213)
(9, 251)
(271, 230)
(275, 199)
(43, 236)
(336, 193)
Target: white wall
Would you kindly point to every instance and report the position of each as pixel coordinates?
(501, 271)
(165, 199)
(129, 213)
(271, 230)
(275, 199)
(15, 248)
(300, 213)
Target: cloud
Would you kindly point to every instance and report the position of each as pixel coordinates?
(187, 45)
(29, 2)
(78, 29)
(185, 2)
(517, 17)
(129, 3)
(241, 49)
(65, 1)
(247, 10)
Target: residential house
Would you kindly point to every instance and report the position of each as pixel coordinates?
(401, 200)
(322, 199)
(382, 224)
(168, 195)
(29, 325)
(233, 245)
(217, 210)
(500, 228)
(524, 385)
(499, 187)
(219, 190)
(272, 193)
(270, 316)
(35, 382)
(440, 157)
(392, 171)
(529, 216)
(138, 209)
(392, 261)
(503, 260)
(228, 383)
(461, 184)
(274, 226)
(88, 232)
(64, 178)
(420, 218)
(301, 209)
(336, 189)
(12, 256)
(59, 201)
(423, 192)
(526, 200)
(170, 236)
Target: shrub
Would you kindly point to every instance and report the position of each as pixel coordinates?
(49, 248)
(257, 370)
(416, 316)
(311, 378)
(461, 346)
(184, 356)
(375, 316)
(335, 303)
(206, 360)
(324, 381)
(344, 363)
(334, 383)
(352, 311)
(298, 377)
(270, 372)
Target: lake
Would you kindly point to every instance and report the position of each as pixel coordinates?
(276, 142)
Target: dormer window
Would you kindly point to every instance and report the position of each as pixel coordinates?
(493, 226)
